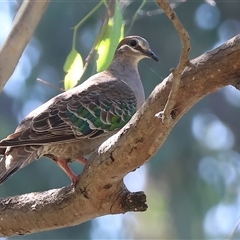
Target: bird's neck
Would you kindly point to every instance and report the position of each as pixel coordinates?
(127, 71)
(123, 68)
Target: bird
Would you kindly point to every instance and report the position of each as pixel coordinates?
(74, 123)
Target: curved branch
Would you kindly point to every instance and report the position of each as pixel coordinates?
(25, 22)
(101, 190)
(165, 115)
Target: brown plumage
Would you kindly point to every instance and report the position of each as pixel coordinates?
(74, 123)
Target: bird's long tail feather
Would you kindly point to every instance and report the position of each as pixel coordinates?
(14, 159)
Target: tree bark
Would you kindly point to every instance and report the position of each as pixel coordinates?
(101, 190)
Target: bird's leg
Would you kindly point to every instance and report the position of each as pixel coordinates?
(64, 166)
(82, 160)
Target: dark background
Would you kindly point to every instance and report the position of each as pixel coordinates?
(192, 183)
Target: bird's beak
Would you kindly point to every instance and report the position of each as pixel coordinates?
(152, 55)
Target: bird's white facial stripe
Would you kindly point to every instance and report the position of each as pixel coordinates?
(131, 49)
(144, 45)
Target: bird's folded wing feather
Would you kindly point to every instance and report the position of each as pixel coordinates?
(99, 109)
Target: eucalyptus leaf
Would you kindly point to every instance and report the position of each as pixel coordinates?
(73, 68)
(110, 35)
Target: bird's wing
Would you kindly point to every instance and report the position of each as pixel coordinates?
(2, 151)
(96, 110)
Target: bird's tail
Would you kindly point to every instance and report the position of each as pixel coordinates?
(14, 159)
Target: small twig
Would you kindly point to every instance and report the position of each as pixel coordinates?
(142, 13)
(75, 28)
(92, 53)
(165, 115)
(50, 85)
(136, 15)
(89, 58)
(234, 230)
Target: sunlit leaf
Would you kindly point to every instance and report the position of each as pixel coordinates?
(73, 68)
(110, 35)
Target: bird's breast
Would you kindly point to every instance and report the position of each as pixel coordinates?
(72, 150)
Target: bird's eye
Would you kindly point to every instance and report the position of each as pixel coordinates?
(133, 43)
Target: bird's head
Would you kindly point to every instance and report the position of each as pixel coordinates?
(135, 48)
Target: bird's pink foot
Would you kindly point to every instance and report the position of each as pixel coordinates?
(64, 166)
(82, 160)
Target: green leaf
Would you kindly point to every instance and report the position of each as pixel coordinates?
(109, 36)
(73, 67)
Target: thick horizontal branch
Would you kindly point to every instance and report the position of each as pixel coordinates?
(25, 22)
(101, 190)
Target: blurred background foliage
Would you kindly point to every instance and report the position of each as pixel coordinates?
(193, 182)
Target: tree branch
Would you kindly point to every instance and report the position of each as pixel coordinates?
(101, 190)
(25, 22)
(165, 115)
